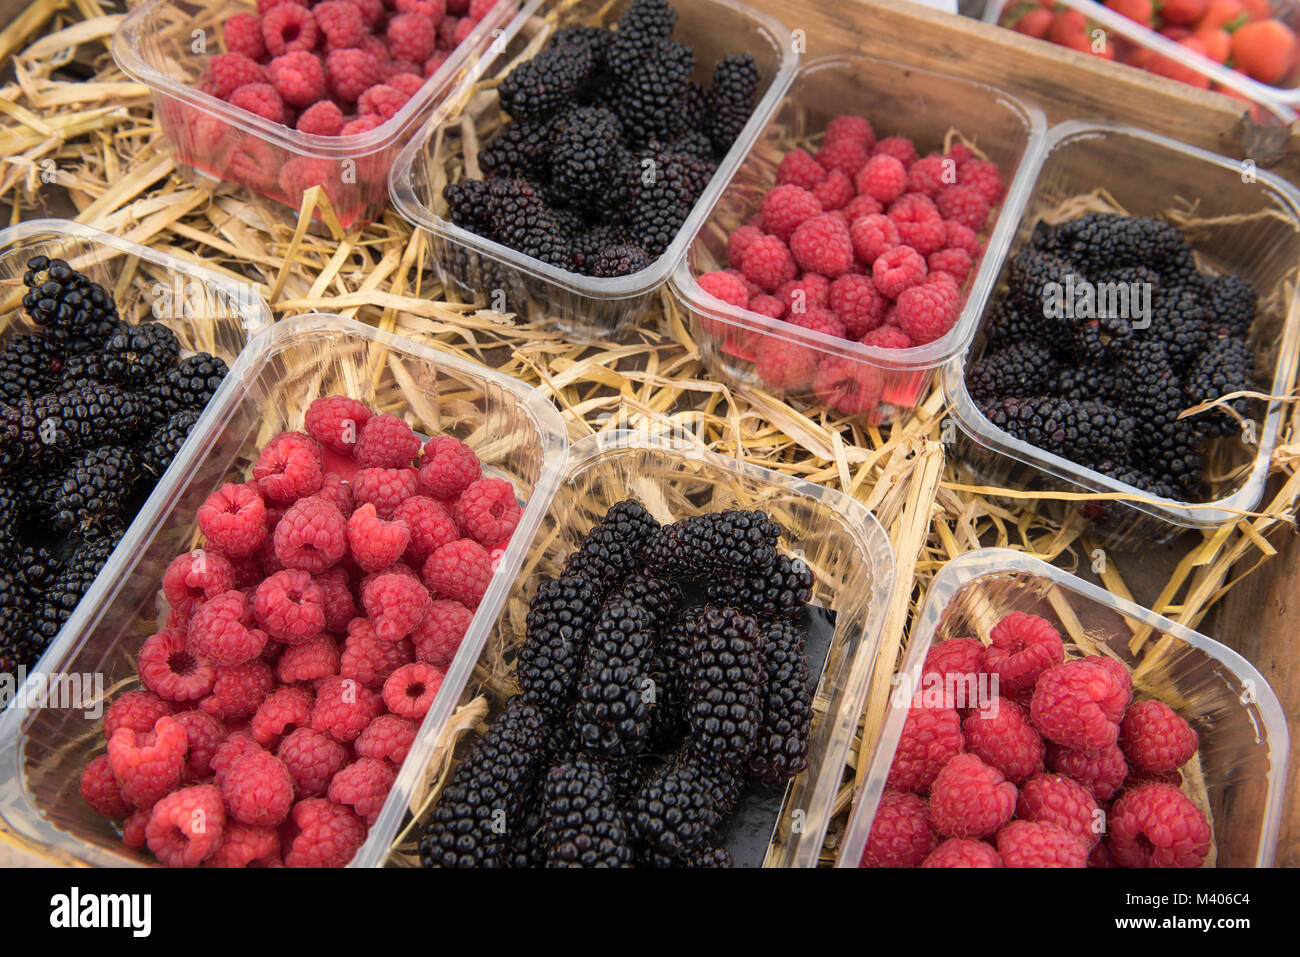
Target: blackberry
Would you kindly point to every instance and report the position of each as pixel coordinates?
(663, 191)
(165, 441)
(591, 242)
(735, 85)
(1022, 368)
(35, 566)
(1010, 322)
(781, 750)
(1179, 319)
(494, 778)
(612, 712)
(674, 814)
(697, 111)
(1031, 274)
(658, 596)
(95, 489)
(609, 552)
(190, 385)
(71, 582)
(11, 514)
(526, 847)
(595, 39)
(467, 202)
(718, 543)
(584, 826)
(672, 683)
(693, 143)
(77, 314)
(1151, 390)
(780, 592)
(40, 434)
(644, 25)
(82, 370)
(1175, 451)
(1101, 241)
(521, 149)
(1231, 303)
(725, 697)
(522, 220)
(29, 366)
(1082, 383)
(1226, 366)
(138, 354)
(622, 259)
(585, 153)
(17, 648)
(559, 624)
(538, 87)
(1082, 432)
(648, 99)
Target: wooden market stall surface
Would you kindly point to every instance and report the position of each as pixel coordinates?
(113, 169)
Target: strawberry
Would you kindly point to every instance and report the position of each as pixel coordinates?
(1141, 11)
(1167, 66)
(1218, 42)
(1257, 10)
(1070, 29)
(1031, 19)
(1182, 11)
(1223, 14)
(1262, 50)
(1176, 32)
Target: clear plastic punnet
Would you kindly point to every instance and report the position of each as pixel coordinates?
(898, 100)
(840, 540)
(1248, 223)
(515, 431)
(209, 311)
(166, 44)
(1244, 741)
(584, 308)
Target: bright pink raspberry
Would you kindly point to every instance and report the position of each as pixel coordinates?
(382, 100)
(899, 147)
(862, 205)
(1057, 799)
(919, 223)
(928, 310)
(887, 337)
(340, 22)
(318, 658)
(282, 712)
(786, 207)
(819, 319)
(957, 236)
(369, 659)
(288, 469)
(238, 690)
(288, 27)
(804, 293)
(407, 84)
(261, 99)
(312, 758)
(447, 467)
(739, 242)
(394, 69)
(227, 72)
(265, 5)
(136, 711)
(323, 834)
(1155, 738)
(970, 798)
(1021, 648)
(726, 287)
(372, 12)
(388, 737)
(459, 571)
(135, 827)
(901, 835)
(882, 177)
(897, 270)
(487, 511)
(350, 73)
(846, 126)
(203, 736)
(965, 205)
(386, 442)
(386, 489)
(1078, 705)
(768, 263)
(244, 846)
(963, 852)
(337, 492)
(289, 606)
(195, 577)
(148, 765)
(961, 658)
(243, 34)
(236, 746)
(858, 303)
(258, 790)
(100, 790)
(410, 690)
(1157, 825)
(185, 827)
(336, 421)
(798, 168)
(821, 244)
(848, 385)
(478, 9)
(412, 36)
(375, 544)
(984, 176)
(221, 631)
(464, 27)
(931, 174)
(1001, 735)
(438, 636)
(931, 737)
(1039, 844)
(298, 77)
(311, 536)
(845, 155)
(396, 603)
(343, 708)
(430, 524)
(233, 519)
(169, 669)
(1101, 772)
(434, 63)
(363, 786)
(784, 365)
(769, 306)
(955, 262)
(834, 192)
(872, 236)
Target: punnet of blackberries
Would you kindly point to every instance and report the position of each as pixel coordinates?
(1108, 334)
(662, 673)
(92, 411)
(610, 141)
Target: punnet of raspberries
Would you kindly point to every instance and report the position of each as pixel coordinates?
(662, 671)
(92, 412)
(609, 144)
(304, 642)
(1014, 754)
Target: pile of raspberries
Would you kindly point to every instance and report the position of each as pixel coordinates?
(339, 67)
(1063, 769)
(303, 645)
(863, 240)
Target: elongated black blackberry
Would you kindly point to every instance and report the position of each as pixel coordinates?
(522, 220)
(1024, 367)
(77, 313)
(1177, 461)
(70, 583)
(190, 385)
(139, 354)
(40, 434)
(725, 696)
(644, 25)
(672, 679)
(595, 39)
(467, 201)
(538, 87)
(781, 591)
(1179, 319)
(521, 149)
(648, 100)
(1081, 383)
(1012, 322)
(11, 514)
(1231, 303)
(560, 620)
(781, 750)
(158, 450)
(1082, 432)
(610, 551)
(718, 543)
(662, 194)
(679, 806)
(30, 365)
(83, 369)
(615, 688)
(526, 847)
(1031, 275)
(16, 645)
(94, 489)
(471, 823)
(658, 596)
(591, 242)
(1147, 385)
(693, 143)
(1226, 366)
(1100, 241)
(584, 826)
(620, 260)
(585, 156)
(735, 86)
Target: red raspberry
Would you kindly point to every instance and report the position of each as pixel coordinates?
(369, 659)
(970, 799)
(887, 337)
(769, 306)
(430, 525)
(233, 519)
(822, 245)
(984, 176)
(862, 205)
(298, 77)
(1039, 844)
(203, 735)
(410, 690)
(185, 827)
(806, 292)
(261, 99)
(195, 577)
(931, 174)
(1157, 825)
(963, 852)
(438, 636)
(783, 365)
(960, 657)
(238, 690)
(375, 543)
(134, 828)
(382, 100)
(919, 223)
(147, 765)
(844, 155)
(898, 269)
(236, 746)
(264, 5)
(798, 168)
(219, 631)
(363, 786)
(819, 319)
(872, 237)
(434, 63)
(834, 192)
(882, 177)
(846, 126)
(965, 205)
(350, 73)
(343, 708)
(318, 658)
(899, 147)
(478, 9)
(768, 262)
(960, 152)
(412, 36)
(931, 738)
(1001, 735)
(290, 606)
(459, 571)
(386, 489)
(407, 84)
(1101, 772)
(312, 759)
(312, 536)
(227, 72)
(243, 33)
(288, 27)
(447, 467)
(1021, 648)
(739, 242)
(336, 421)
(848, 385)
(1077, 705)
(463, 29)
(785, 207)
(136, 711)
(372, 12)
(324, 834)
(100, 790)
(171, 671)
(487, 511)
(955, 262)
(244, 846)
(258, 790)
(724, 286)
(901, 835)
(288, 469)
(927, 311)
(859, 305)
(388, 737)
(957, 236)
(1118, 703)
(1155, 738)
(340, 22)
(446, 29)
(396, 603)
(1064, 802)
(283, 711)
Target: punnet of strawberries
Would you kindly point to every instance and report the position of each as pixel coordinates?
(1012, 755)
(302, 644)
